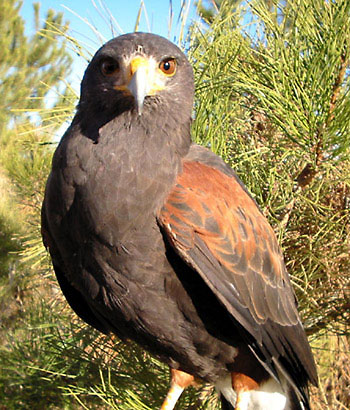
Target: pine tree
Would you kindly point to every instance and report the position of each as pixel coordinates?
(30, 68)
(31, 72)
(208, 10)
(272, 98)
(285, 96)
(35, 100)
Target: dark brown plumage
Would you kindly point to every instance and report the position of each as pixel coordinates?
(156, 239)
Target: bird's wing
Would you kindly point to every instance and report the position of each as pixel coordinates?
(217, 228)
(73, 296)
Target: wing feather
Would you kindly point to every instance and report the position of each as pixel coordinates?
(217, 228)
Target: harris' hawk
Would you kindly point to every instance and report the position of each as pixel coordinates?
(156, 239)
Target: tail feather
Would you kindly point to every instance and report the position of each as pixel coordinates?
(271, 395)
(294, 403)
(225, 405)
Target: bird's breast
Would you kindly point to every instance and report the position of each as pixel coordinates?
(120, 184)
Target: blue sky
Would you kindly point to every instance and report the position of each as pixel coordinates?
(155, 19)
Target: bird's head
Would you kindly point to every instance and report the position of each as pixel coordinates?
(138, 72)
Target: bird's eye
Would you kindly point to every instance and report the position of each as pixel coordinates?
(168, 66)
(109, 67)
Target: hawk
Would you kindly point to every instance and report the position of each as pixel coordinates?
(156, 239)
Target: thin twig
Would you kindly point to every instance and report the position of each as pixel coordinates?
(309, 171)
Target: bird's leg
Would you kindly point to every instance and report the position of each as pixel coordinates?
(179, 381)
(242, 400)
(242, 384)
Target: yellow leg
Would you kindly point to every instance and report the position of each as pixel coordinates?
(242, 400)
(242, 385)
(172, 397)
(179, 381)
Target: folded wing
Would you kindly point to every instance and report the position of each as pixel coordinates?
(217, 228)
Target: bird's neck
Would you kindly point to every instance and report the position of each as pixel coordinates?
(139, 162)
(150, 142)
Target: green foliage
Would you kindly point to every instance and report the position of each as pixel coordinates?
(272, 99)
(32, 92)
(31, 69)
(49, 359)
(207, 10)
(9, 223)
(275, 105)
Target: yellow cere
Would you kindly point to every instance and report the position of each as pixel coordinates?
(154, 76)
(138, 62)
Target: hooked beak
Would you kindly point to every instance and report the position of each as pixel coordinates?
(140, 83)
(145, 79)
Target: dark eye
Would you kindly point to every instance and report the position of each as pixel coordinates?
(168, 66)
(109, 66)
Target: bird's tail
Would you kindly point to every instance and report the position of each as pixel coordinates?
(269, 396)
(293, 401)
(226, 393)
(225, 405)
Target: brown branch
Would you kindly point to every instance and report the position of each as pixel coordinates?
(337, 85)
(306, 175)
(309, 171)
(333, 316)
